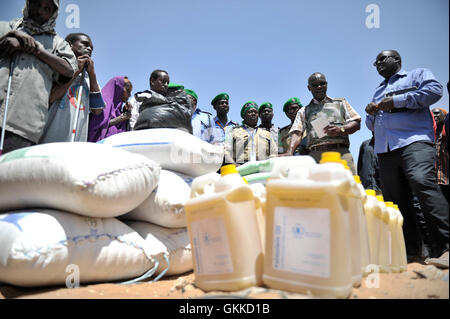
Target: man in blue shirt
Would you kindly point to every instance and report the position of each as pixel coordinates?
(203, 125)
(223, 125)
(403, 128)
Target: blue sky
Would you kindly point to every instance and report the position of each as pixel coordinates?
(261, 50)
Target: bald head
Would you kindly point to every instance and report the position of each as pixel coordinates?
(318, 85)
(439, 116)
(316, 76)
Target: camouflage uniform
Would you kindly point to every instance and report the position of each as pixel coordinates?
(273, 132)
(238, 145)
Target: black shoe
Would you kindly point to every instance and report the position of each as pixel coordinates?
(415, 259)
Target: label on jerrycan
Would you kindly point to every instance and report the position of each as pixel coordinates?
(302, 241)
(212, 252)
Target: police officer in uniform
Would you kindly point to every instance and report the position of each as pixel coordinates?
(222, 124)
(202, 122)
(290, 108)
(248, 142)
(265, 112)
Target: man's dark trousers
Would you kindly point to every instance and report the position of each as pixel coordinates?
(412, 169)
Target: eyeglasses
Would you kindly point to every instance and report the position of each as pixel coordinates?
(315, 85)
(382, 59)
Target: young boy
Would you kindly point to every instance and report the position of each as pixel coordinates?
(39, 57)
(64, 98)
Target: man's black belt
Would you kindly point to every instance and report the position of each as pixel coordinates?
(327, 147)
(401, 109)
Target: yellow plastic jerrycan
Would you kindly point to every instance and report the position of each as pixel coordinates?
(259, 190)
(401, 240)
(393, 242)
(364, 235)
(223, 232)
(355, 210)
(374, 228)
(307, 229)
(384, 256)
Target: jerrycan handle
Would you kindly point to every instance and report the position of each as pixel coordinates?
(297, 167)
(258, 202)
(204, 184)
(240, 194)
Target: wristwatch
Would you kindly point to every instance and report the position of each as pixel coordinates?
(342, 129)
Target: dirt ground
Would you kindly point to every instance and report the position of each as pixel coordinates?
(418, 282)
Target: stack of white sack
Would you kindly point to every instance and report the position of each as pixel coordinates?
(44, 247)
(175, 241)
(162, 216)
(173, 149)
(182, 157)
(58, 202)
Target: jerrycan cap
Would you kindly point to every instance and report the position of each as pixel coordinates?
(357, 179)
(228, 169)
(370, 192)
(330, 157)
(380, 198)
(389, 204)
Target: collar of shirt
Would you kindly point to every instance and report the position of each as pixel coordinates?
(325, 100)
(399, 74)
(271, 128)
(250, 130)
(217, 121)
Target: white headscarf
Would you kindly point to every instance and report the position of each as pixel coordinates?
(33, 27)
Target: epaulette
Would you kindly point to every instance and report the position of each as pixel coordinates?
(285, 127)
(340, 99)
(206, 112)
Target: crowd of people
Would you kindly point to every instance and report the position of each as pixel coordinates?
(49, 93)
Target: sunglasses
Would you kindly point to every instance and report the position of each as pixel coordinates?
(382, 59)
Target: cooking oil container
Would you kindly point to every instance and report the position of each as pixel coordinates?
(223, 231)
(373, 213)
(308, 229)
(394, 246)
(364, 235)
(384, 253)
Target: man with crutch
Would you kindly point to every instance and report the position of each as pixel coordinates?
(72, 102)
(32, 58)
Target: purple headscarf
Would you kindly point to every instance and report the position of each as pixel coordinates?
(112, 94)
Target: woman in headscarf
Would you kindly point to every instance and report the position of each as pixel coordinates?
(39, 57)
(114, 118)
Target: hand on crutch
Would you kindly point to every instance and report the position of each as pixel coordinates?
(5, 114)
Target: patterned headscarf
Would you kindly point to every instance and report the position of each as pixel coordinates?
(33, 27)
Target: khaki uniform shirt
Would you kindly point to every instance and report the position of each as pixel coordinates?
(343, 114)
(32, 81)
(244, 144)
